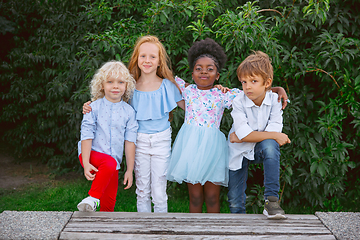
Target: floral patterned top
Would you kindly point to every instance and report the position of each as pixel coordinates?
(205, 107)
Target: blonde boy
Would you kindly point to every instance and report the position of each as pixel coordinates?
(255, 136)
(106, 132)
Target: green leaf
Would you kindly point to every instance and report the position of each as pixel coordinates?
(351, 164)
(322, 169)
(314, 150)
(314, 167)
(163, 18)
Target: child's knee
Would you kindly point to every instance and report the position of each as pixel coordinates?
(212, 199)
(269, 143)
(109, 168)
(270, 147)
(196, 199)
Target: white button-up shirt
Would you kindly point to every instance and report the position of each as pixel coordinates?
(249, 117)
(109, 125)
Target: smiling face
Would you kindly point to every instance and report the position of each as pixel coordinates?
(205, 73)
(114, 88)
(148, 59)
(254, 87)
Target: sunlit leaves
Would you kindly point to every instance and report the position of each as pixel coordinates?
(317, 10)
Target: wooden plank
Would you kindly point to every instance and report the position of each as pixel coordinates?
(137, 215)
(195, 230)
(116, 236)
(202, 221)
(192, 226)
(311, 225)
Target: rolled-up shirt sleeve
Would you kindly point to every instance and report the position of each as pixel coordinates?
(131, 127)
(241, 125)
(88, 125)
(275, 122)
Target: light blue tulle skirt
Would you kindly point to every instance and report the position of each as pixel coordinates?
(199, 154)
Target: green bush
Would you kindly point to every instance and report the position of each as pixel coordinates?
(57, 45)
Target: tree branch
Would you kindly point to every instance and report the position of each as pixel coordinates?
(320, 70)
(270, 10)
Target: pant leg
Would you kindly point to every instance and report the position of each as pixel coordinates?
(161, 151)
(237, 188)
(142, 173)
(108, 199)
(106, 166)
(268, 152)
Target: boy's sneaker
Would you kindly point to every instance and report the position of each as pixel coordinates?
(88, 204)
(272, 209)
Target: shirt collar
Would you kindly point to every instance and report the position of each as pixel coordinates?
(108, 102)
(267, 100)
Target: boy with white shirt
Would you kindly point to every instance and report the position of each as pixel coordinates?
(255, 136)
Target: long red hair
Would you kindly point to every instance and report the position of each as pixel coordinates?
(164, 69)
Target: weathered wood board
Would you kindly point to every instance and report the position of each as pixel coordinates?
(132, 225)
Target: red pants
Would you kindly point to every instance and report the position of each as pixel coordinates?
(105, 184)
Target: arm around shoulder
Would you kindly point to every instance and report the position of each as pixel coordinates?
(281, 95)
(181, 104)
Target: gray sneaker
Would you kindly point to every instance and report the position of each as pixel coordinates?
(272, 209)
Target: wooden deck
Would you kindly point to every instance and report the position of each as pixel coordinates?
(132, 225)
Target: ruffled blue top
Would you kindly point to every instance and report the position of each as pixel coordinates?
(152, 108)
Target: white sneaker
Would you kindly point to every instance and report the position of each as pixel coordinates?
(88, 204)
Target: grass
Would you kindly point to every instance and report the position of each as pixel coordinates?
(65, 195)
(56, 195)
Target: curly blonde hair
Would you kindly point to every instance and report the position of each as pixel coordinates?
(108, 69)
(257, 63)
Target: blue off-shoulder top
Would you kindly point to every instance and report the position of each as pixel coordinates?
(153, 108)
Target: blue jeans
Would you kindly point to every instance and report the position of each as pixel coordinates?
(266, 152)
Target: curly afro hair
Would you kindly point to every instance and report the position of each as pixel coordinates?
(207, 48)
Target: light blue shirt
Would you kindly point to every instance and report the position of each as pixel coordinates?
(249, 117)
(109, 125)
(152, 108)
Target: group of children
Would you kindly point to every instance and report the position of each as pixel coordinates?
(130, 110)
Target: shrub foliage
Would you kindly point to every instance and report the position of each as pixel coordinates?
(53, 47)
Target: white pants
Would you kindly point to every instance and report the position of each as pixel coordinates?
(151, 163)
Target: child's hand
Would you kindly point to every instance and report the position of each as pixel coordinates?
(86, 107)
(128, 178)
(90, 172)
(282, 95)
(234, 138)
(223, 89)
(282, 139)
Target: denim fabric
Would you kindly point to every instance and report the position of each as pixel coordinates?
(266, 152)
